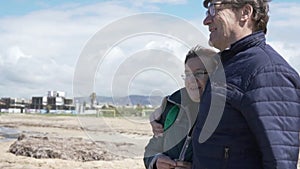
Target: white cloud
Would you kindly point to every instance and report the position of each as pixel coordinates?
(14, 54)
(290, 52)
(136, 37)
(287, 8)
(284, 22)
(284, 32)
(153, 63)
(176, 48)
(39, 50)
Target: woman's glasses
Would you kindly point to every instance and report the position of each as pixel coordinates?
(198, 75)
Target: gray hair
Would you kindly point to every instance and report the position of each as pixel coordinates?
(208, 57)
(260, 11)
(200, 51)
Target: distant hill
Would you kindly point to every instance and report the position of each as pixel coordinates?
(128, 100)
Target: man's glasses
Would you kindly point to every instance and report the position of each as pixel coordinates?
(211, 11)
(198, 75)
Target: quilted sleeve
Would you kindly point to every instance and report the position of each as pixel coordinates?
(271, 106)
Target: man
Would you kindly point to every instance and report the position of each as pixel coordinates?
(260, 122)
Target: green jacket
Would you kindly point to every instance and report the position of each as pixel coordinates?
(178, 114)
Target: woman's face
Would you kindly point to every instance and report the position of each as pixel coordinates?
(195, 78)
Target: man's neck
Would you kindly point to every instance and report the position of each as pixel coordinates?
(238, 36)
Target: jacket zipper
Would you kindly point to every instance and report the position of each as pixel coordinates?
(226, 153)
(226, 157)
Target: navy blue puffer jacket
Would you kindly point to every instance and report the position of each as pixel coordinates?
(259, 128)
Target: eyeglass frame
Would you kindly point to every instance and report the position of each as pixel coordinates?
(211, 9)
(200, 75)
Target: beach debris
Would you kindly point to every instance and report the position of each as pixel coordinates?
(76, 149)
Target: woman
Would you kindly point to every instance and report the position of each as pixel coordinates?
(172, 121)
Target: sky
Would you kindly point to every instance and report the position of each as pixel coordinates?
(110, 47)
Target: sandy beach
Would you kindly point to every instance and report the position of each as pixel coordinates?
(122, 139)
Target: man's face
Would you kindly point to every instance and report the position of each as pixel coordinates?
(222, 23)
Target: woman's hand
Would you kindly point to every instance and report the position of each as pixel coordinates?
(183, 165)
(157, 128)
(165, 162)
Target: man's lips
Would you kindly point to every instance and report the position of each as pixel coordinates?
(211, 29)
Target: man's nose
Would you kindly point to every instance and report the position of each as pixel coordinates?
(207, 20)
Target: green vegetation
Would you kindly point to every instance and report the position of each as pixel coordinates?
(3, 113)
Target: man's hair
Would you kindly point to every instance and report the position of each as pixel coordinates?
(260, 11)
(200, 52)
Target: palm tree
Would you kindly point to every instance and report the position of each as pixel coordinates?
(93, 97)
(48, 107)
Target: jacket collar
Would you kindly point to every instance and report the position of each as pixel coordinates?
(180, 97)
(243, 44)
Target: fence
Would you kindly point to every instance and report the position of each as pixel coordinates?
(124, 112)
(101, 111)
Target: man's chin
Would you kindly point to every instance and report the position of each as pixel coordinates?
(210, 43)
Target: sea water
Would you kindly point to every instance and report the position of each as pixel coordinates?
(8, 134)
